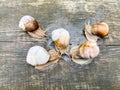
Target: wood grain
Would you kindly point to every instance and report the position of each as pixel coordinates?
(102, 74)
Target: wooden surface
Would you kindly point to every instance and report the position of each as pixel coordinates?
(102, 74)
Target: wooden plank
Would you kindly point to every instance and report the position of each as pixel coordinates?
(15, 73)
(18, 36)
(73, 22)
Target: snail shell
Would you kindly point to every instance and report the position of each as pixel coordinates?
(88, 50)
(61, 38)
(29, 24)
(100, 29)
(96, 31)
(37, 55)
(84, 53)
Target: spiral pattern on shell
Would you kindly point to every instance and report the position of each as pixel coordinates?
(28, 23)
(88, 50)
(100, 29)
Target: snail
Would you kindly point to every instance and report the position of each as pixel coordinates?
(53, 55)
(96, 31)
(29, 24)
(100, 29)
(61, 38)
(40, 58)
(84, 53)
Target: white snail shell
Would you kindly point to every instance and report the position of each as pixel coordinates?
(84, 53)
(88, 50)
(37, 55)
(28, 23)
(61, 38)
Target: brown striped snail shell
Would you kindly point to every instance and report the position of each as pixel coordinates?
(61, 38)
(29, 24)
(96, 31)
(88, 50)
(100, 29)
(84, 53)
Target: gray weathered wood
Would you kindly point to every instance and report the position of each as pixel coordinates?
(102, 74)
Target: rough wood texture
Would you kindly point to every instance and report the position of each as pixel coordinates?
(102, 74)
